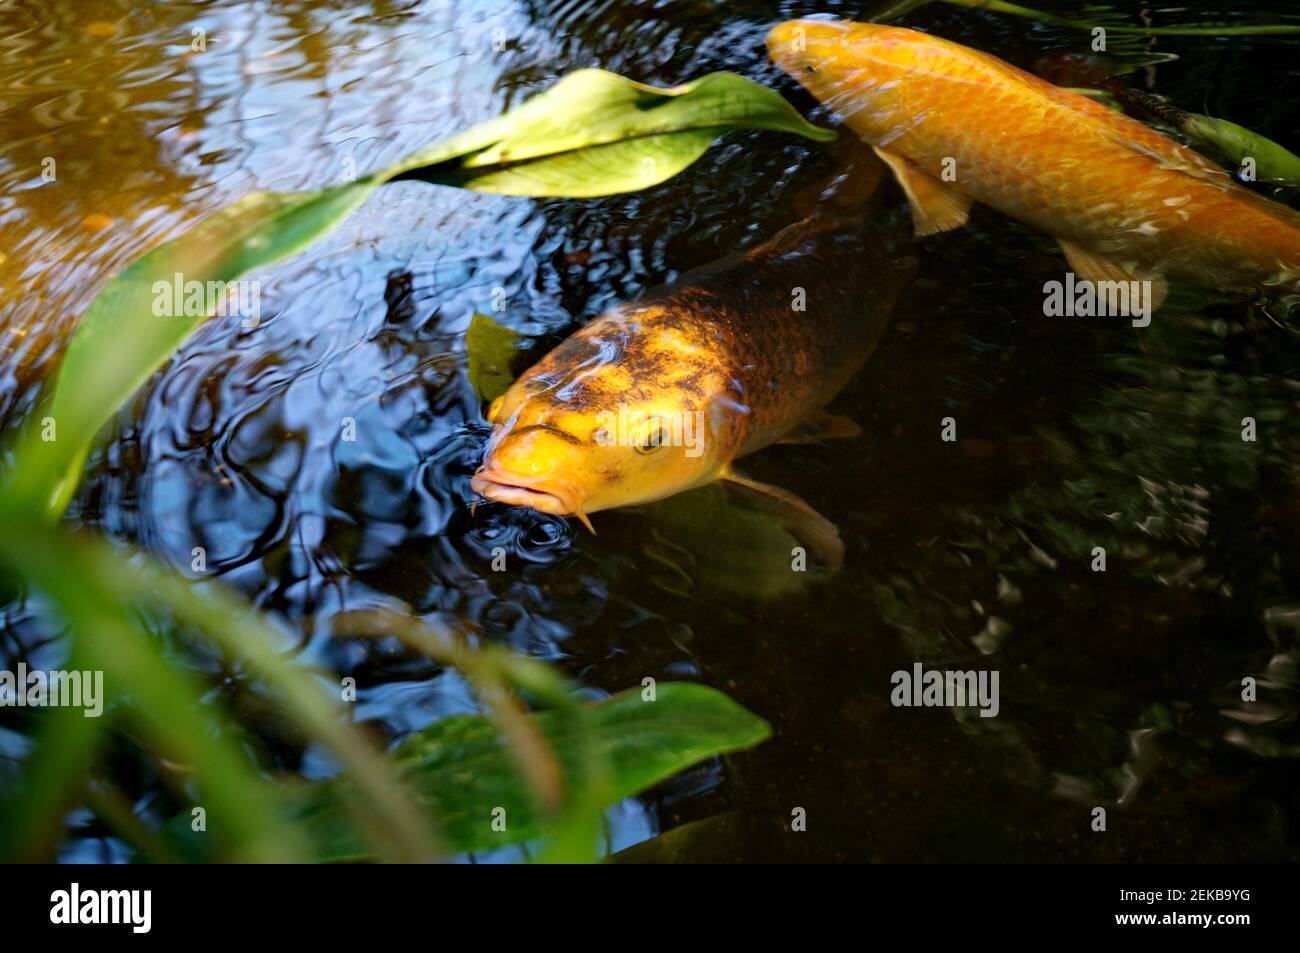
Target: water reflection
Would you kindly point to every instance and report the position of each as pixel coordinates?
(1120, 688)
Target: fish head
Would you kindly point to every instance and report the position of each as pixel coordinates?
(854, 68)
(601, 423)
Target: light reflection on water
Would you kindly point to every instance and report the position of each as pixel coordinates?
(1076, 435)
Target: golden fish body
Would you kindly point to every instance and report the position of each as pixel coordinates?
(957, 125)
(661, 395)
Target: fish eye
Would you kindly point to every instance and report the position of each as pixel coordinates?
(654, 437)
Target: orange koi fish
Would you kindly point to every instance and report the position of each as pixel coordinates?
(959, 126)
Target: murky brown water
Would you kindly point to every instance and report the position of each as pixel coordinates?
(1118, 688)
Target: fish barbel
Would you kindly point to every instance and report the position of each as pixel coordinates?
(958, 126)
(660, 395)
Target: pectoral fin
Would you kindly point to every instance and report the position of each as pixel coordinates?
(936, 206)
(808, 526)
(1095, 268)
(821, 426)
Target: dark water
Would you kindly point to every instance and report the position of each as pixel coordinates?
(1119, 688)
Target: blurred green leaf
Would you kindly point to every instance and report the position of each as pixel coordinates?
(54, 773)
(96, 587)
(464, 771)
(458, 770)
(593, 133)
(245, 813)
(121, 341)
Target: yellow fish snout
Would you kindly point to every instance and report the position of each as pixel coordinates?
(840, 63)
(794, 35)
(527, 467)
(797, 44)
(800, 44)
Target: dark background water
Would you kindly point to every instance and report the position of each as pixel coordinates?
(1119, 689)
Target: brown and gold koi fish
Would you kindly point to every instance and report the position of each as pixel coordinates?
(662, 395)
(958, 126)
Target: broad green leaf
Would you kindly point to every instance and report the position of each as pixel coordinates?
(463, 771)
(600, 170)
(490, 350)
(607, 134)
(593, 133)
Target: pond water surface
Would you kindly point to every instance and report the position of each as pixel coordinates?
(1118, 688)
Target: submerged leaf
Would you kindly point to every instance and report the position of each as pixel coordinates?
(703, 541)
(490, 349)
(1270, 162)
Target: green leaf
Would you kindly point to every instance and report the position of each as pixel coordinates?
(96, 587)
(1273, 162)
(463, 771)
(597, 134)
(593, 133)
(490, 350)
(53, 775)
(160, 700)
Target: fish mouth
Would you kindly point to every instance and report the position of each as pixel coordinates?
(517, 495)
(512, 490)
